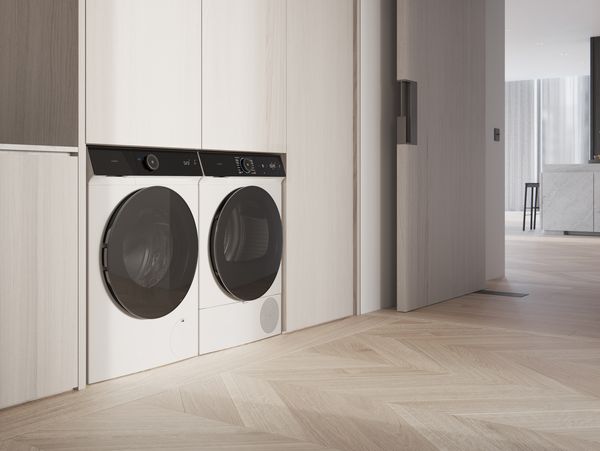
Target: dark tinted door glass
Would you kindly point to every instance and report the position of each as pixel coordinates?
(246, 243)
(150, 252)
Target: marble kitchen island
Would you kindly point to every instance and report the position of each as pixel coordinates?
(571, 197)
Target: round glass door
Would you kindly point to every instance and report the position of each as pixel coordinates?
(150, 252)
(246, 243)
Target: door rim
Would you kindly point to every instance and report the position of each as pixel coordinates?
(184, 222)
(213, 242)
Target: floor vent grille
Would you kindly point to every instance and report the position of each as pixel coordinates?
(508, 294)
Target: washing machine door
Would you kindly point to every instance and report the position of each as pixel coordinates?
(150, 252)
(246, 243)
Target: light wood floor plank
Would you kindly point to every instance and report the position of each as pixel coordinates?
(140, 426)
(475, 373)
(28, 417)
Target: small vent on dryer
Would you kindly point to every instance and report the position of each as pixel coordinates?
(269, 315)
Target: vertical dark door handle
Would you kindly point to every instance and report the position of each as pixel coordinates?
(406, 112)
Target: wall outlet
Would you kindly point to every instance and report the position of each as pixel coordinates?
(496, 134)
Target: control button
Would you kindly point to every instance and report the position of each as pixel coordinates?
(246, 165)
(151, 162)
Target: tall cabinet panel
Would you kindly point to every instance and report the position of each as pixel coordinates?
(38, 280)
(456, 149)
(377, 156)
(38, 72)
(243, 75)
(495, 253)
(143, 74)
(319, 188)
(412, 161)
(441, 180)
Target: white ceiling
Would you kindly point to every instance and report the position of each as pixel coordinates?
(549, 38)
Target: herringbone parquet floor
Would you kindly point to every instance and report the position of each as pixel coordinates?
(476, 373)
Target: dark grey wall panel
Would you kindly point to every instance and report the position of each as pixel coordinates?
(38, 72)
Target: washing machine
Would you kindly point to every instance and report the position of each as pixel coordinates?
(241, 244)
(142, 259)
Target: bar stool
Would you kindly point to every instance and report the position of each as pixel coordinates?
(534, 206)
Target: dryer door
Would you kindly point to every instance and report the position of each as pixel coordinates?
(150, 252)
(246, 243)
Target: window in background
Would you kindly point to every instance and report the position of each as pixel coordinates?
(521, 140)
(547, 122)
(565, 120)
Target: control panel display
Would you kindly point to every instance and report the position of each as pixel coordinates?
(133, 161)
(229, 165)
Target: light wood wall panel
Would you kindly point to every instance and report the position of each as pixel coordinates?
(377, 155)
(82, 213)
(243, 75)
(38, 281)
(412, 187)
(495, 150)
(412, 287)
(441, 211)
(456, 145)
(38, 72)
(319, 188)
(144, 72)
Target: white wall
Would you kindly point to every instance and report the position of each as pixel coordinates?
(494, 161)
(378, 155)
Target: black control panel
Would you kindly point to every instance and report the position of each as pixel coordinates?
(120, 161)
(244, 165)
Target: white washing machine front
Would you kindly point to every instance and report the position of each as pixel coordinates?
(142, 273)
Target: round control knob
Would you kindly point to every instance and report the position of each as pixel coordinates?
(246, 165)
(151, 162)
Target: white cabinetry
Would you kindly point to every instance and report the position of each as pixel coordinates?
(243, 75)
(319, 188)
(143, 74)
(38, 281)
(568, 201)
